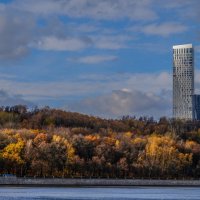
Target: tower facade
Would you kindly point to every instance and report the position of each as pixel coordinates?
(183, 82)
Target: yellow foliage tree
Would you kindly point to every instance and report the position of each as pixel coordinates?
(162, 156)
(12, 153)
(70, 150)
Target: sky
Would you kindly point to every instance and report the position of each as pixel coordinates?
(107, 58)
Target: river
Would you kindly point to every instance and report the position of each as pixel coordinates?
(99, 193)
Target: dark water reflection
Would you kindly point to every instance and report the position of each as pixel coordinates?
(135, 193)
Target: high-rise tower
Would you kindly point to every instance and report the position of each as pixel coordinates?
(183, 82)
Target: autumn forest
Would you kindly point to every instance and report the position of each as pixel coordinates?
(54, 143)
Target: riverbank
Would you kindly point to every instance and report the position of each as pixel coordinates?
(95, 182)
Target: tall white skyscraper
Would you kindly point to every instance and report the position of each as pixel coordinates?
(183, 82)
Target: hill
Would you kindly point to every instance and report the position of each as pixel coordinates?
(55, 143)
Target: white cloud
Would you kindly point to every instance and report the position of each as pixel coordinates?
(59, 44)
(151, 82)
(162, 29)
(73, 43)
(20, 27)
(7, 99)
(96, 59)
(197, 48)
(112, 42)
(91, 83)
(107, 96)
(176, 3)
(48, 89)
(15, 34)
(2, 7)
(104, 9)
(156, 47)
(130, 94)
(120, 102)
(135, 94)
(197, 81)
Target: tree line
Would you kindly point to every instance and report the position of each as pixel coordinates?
(54, 143)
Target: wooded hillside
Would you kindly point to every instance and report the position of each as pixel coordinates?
(55, 143)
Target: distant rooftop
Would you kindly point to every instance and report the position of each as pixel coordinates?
(182, 46)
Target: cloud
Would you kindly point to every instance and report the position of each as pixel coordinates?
(59, 44)
(111, 42)
(15, 34)
(22, 27)
(11, 100)
(176, 3)
(162, 29)
(123, 102)
(112, 95)
(95, 59)
(197, 81)
(144, 94)
(156, 47)
(107, 95)
(149, 82)
(74, 43)
(89, 84)
(34, 91)
(197, 48)
(95, 9)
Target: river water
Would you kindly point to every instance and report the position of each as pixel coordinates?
(103, 193)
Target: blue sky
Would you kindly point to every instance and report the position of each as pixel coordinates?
(102, 57)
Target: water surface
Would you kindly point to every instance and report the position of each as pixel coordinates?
(135, 193)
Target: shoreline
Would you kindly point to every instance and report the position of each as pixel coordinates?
(69, 182)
